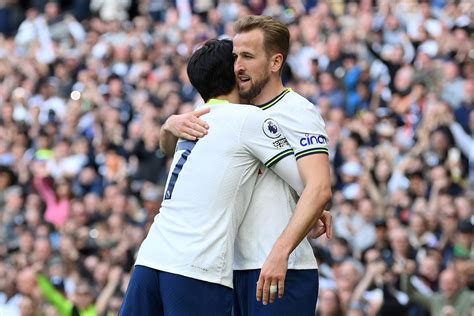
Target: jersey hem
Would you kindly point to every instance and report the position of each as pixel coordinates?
(272, 161)
(312, 151)
(254, 266)
(187, 274)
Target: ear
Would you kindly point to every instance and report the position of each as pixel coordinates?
(276, 62)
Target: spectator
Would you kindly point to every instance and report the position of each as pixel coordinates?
(57, 200)
(453, 91)
(330, 90)
(401, 248)
(7, 178)
(452, 296)
(329, 304)
(376, 292)
(347, 276)
(111, 10)
(10, 299)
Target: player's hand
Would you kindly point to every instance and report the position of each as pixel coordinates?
(272, 278)
(324, 225)
(188, 125)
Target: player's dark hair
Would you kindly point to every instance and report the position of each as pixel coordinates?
(211, 69)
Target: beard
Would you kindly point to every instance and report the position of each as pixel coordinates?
(255, 89)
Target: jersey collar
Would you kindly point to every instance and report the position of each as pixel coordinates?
(275, 100)
(216, 101)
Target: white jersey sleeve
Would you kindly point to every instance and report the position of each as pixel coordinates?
(287, 169)
(305, 131)
(263, 138)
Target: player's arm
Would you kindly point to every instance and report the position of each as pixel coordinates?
(314, 170)
(284, 165)
(287, 169)
(308, 139)
(186, 126)
(263, 139)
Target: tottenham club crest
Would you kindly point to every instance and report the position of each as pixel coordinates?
(271, 128)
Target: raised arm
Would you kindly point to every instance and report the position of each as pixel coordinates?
(112, 283)
(62, 305)
(463, 140)
(186, 126)
(413, 294)
(373, 270)
(44, 189)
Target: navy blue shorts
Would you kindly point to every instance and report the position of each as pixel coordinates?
(301, 294)
(153, 292)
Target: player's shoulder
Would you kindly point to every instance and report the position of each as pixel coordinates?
(238, 113)
(248, 112)
(242, 109)
(298, 106)
(299, 100)
(249, 108)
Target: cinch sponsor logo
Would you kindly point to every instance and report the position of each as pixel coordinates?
(313, 139)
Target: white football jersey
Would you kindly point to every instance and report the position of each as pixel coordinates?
(209, 189)
(273, 200)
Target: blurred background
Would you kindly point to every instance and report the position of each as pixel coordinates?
(86, 85)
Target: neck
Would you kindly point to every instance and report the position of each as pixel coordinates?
(232, 97)
(273, 88)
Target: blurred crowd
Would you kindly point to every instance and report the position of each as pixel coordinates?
(86, 85)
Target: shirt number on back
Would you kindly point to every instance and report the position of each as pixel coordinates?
(187, 146)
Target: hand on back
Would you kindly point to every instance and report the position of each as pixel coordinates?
(188, 126)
